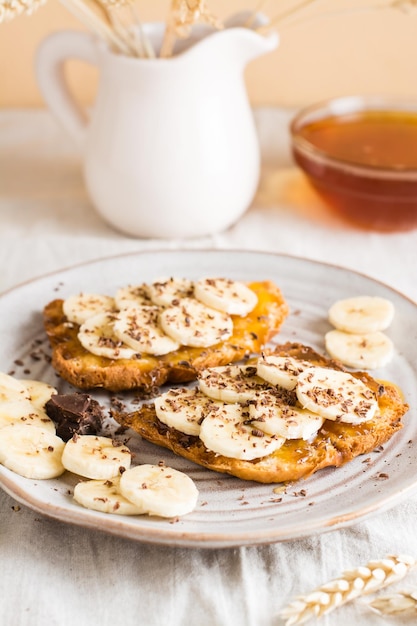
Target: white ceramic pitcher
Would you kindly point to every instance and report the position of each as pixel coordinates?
(170, 148)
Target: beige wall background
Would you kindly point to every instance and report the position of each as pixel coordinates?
(336, 48)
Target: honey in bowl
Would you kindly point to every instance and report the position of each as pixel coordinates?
(361, 156)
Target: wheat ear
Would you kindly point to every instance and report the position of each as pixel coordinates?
(10, 9)
(352, 584)
(88, 17)
(401, 603)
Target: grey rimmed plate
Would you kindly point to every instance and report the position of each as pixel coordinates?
(230, 512)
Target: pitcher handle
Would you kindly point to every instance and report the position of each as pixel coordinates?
(51, 56)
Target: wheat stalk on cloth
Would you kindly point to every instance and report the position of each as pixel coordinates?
(352, 584)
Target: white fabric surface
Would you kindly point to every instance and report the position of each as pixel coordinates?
(54, 574)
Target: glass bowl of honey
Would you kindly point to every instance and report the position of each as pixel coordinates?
(360, 154)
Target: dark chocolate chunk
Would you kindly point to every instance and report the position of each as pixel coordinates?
(74, 413)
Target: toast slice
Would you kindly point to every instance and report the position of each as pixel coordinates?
(335, 444)
(84, 370)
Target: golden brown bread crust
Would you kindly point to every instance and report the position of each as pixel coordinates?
(87, 371)
(335, 444)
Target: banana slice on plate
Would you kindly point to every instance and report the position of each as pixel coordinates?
(336, 395)
(12, 388)
(80, 307)
(271, 415)
(31, 452)
(159, 490)
(97, 335)
(22, 412)
(228, 431)
(230, 383)
(281, 371)
(361, 314)
(170, 291)
(194, 324)
(183, 409)
(96, 457)
(369, 351)
(105, 496)
(132, 296)
(230, 296)
(39, 392)
(139, 329)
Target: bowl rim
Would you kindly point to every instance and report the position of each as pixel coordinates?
(333, 107)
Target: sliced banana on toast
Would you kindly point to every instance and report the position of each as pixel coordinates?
(80, 307)
(224, 294)
(139, 329)
(132, 296)
(228, 431)
(230, 383)
(170, 292)
(336, 395)
(183, 408)
(270, 414)
(196, 325)
(281, 371)
(97, 335)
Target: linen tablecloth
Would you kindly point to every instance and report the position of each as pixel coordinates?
(56, 574)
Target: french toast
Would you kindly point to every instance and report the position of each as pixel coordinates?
(86, 370)
(335, 444)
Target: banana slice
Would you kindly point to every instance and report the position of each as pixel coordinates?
(97, 335)
(183, 409)
(281, 371)
(80, 307)
(22, 412)
(196, 325)
(105, 496)
(31, 451)
(171, 291)
(14, 407)
(159, 490)
(139, 329)
(361, 314)
(271, 415)
(11, 388)
(39, 392)
(223, 294)
(96, 457)
(231, 383)
(336, 395)
(227, 431)
(367, 352)
(132, 296)
(10, 383)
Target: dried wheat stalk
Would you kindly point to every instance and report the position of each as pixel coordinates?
(124, 18)
(96, 23)
(285, 19)
(400, 604)
(352, 584)
(12, 8)
(182, 16)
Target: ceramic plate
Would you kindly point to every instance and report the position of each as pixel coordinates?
(230, 512)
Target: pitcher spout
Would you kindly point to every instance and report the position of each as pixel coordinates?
(249, 44)
(238, 42)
